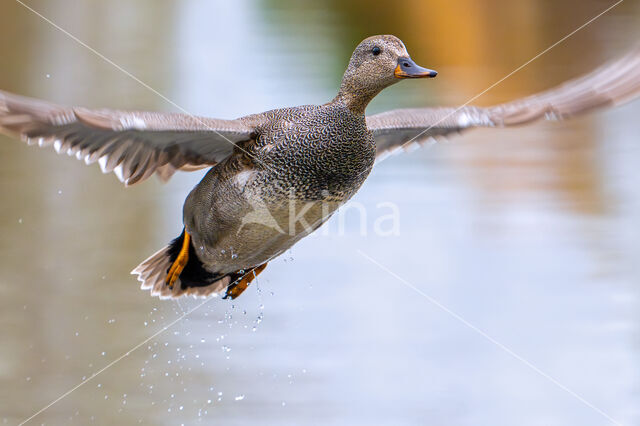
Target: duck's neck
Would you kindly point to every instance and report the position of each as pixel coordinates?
(355, 96)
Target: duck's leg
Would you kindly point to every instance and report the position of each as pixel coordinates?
(181, 261)
(237, 288)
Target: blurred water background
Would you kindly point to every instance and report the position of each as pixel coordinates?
(531, 235)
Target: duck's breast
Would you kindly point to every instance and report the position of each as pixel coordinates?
(316, 152)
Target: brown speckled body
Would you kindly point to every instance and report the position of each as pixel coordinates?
(294, 169)
(302, 165)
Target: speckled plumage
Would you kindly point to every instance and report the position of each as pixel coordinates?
(308, 157)
(300, 165)
(277, 176)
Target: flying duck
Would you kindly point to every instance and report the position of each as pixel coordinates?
(276, 176)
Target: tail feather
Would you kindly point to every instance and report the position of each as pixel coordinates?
(194, 280)
(153, 271)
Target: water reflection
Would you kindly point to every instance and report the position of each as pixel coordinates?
(530, 234)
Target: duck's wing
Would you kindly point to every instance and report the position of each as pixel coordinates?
(611, 84)
(133, 145)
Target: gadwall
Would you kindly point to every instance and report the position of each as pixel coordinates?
(277, 176)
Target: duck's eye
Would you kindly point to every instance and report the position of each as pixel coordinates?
(376, 51)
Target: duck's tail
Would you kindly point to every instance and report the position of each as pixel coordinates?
(175, 270)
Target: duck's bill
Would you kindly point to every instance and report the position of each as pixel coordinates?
(408, 69)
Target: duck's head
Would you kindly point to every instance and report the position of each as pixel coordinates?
(376, 63)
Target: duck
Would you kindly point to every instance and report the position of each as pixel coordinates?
(276, 176)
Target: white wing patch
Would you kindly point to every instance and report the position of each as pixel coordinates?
(133, 122)
(243, 177)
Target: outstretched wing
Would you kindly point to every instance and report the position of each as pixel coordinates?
(611, 84)
(133, 145)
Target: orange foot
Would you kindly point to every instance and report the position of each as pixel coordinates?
(237, 288)
(181, 261)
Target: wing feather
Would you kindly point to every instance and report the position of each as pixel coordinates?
(612, 84)
(132, 144)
